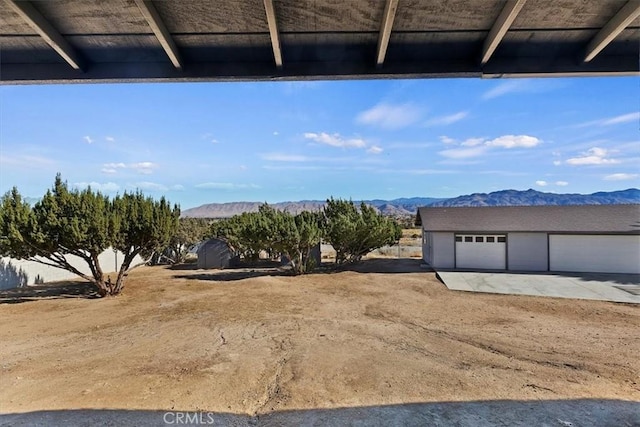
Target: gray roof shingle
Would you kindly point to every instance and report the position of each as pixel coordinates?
(624, 219)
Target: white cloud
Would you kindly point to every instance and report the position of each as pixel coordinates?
(463, 153)
(557, 162)
(389, 116)
(26, 161)
(521, 86)
(214, 141)
(276, 133)
(114, 165)
(149, 186)
(374, 149)
(624, 118)
(593, 156)
(621, 176)
(109, 139)
(472, 142)
(144, 168)
(510, 86)
(445, 139)
(225, 186)
(177, 187)
(88, 139)
(610, 121)
(447, 120)
(107, 187)
(513, 141)
(473, 147)
(335, 140)
(542, 183)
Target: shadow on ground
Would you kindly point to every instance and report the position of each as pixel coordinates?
(373, 265)
(233, 275)
(57, 290)
(619, 278)
(387, 265)
(563, 413)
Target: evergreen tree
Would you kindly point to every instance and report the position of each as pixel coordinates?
(354, 233)
(84, 223)
(190, 231)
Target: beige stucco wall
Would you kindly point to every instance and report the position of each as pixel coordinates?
(15, 272)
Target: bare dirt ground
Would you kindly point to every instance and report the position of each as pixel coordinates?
(253, 342)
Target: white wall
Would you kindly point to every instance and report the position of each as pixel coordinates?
(595, 253)
(427, 252)
(15, 272)
(443, 250)
(527, 252)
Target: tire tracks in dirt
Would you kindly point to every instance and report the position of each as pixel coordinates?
(275, 393)
(380, 314)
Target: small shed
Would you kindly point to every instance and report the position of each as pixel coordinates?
(315, 255)
(214, 253)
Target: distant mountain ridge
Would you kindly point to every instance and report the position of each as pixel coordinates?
(532, 198)
(404, 206)
(409, 206)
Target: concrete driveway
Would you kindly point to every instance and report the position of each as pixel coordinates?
(595, 286)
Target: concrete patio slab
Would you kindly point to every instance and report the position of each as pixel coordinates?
(594, 286)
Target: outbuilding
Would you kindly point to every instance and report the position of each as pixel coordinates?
(584, 238)
(214, 253)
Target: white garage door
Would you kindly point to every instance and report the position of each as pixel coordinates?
(488, 252)
(597, 254)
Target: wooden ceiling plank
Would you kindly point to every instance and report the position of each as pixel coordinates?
(273, 32)
(500, 27)
(39, 23)
(161, 32)
(385, 31)
(625, 16)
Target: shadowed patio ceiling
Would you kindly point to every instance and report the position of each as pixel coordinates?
(196, 40)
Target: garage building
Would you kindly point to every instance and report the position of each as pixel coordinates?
(585, 238)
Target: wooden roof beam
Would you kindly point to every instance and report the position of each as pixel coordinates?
(273, 32)
(160, 30)
(610, 31)
(34, 18)
(500, 27)
(390, 10)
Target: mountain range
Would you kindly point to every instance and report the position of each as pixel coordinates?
(409, 206)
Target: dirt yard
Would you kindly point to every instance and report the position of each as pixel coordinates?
(253, 341)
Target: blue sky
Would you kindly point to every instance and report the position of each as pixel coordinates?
(198, 143)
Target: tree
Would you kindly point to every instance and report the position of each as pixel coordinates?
(275, 232)
(354, 233)
(189, 232)
(84, 223)
(141, 227)
(293, 236)
(246, 233)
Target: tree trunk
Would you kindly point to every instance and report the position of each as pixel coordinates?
(104, 287)
(101, 287)
(128, 259)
